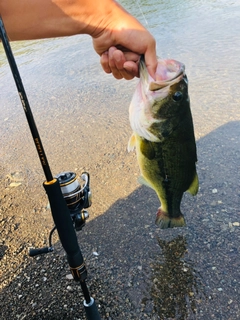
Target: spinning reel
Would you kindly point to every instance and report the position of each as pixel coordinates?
(77, 198)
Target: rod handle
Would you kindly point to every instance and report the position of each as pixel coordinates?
(91, 310)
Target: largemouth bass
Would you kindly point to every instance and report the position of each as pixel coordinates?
(163, 136)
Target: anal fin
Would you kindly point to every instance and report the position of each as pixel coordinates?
(143, 181)
(193, 189)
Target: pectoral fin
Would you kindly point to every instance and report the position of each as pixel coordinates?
(132, 143)
(193, 189)
(147, 149)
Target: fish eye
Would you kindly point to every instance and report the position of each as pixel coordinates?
(177, 96)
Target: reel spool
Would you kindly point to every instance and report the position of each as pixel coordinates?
(77, 198)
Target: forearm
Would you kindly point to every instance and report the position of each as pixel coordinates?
(34, 19)
(110, 26)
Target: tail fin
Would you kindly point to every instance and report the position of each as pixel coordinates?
(164, 221)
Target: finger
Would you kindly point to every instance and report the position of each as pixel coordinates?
(150, 58)
(131, 56)
(127, 69)
(105, 63)
(120, 64)
(132, 68)
(108, 63)
(127, 74)
(116, 61)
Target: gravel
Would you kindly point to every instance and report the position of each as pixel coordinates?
(135, 270)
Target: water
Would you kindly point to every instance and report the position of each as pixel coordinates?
(82, 115)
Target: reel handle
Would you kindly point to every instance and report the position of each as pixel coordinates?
(36, 252)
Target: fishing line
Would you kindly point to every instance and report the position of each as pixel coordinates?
(139, 7)
(143, 15)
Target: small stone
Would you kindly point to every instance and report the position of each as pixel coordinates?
(230, 301)
(95, 253)
(69, 276)
(236, 224)
(213, 203)
(214, 190)
(220, 289)
(191, 294)
(224, 227)
(69, 288)
(14, 184)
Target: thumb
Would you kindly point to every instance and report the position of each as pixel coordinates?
(150, 58)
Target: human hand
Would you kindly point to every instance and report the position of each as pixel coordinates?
(120, 40)
(121, 64)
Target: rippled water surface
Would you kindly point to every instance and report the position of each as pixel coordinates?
(82, 117)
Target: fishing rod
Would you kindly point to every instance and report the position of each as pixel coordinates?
(68, 200)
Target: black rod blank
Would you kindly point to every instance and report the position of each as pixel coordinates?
(25, 103)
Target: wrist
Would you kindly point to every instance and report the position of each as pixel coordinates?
(98, 16)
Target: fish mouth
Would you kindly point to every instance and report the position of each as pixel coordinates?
(168, 72)
(149, 90)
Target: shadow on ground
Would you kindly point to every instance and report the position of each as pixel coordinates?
(137, 271)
